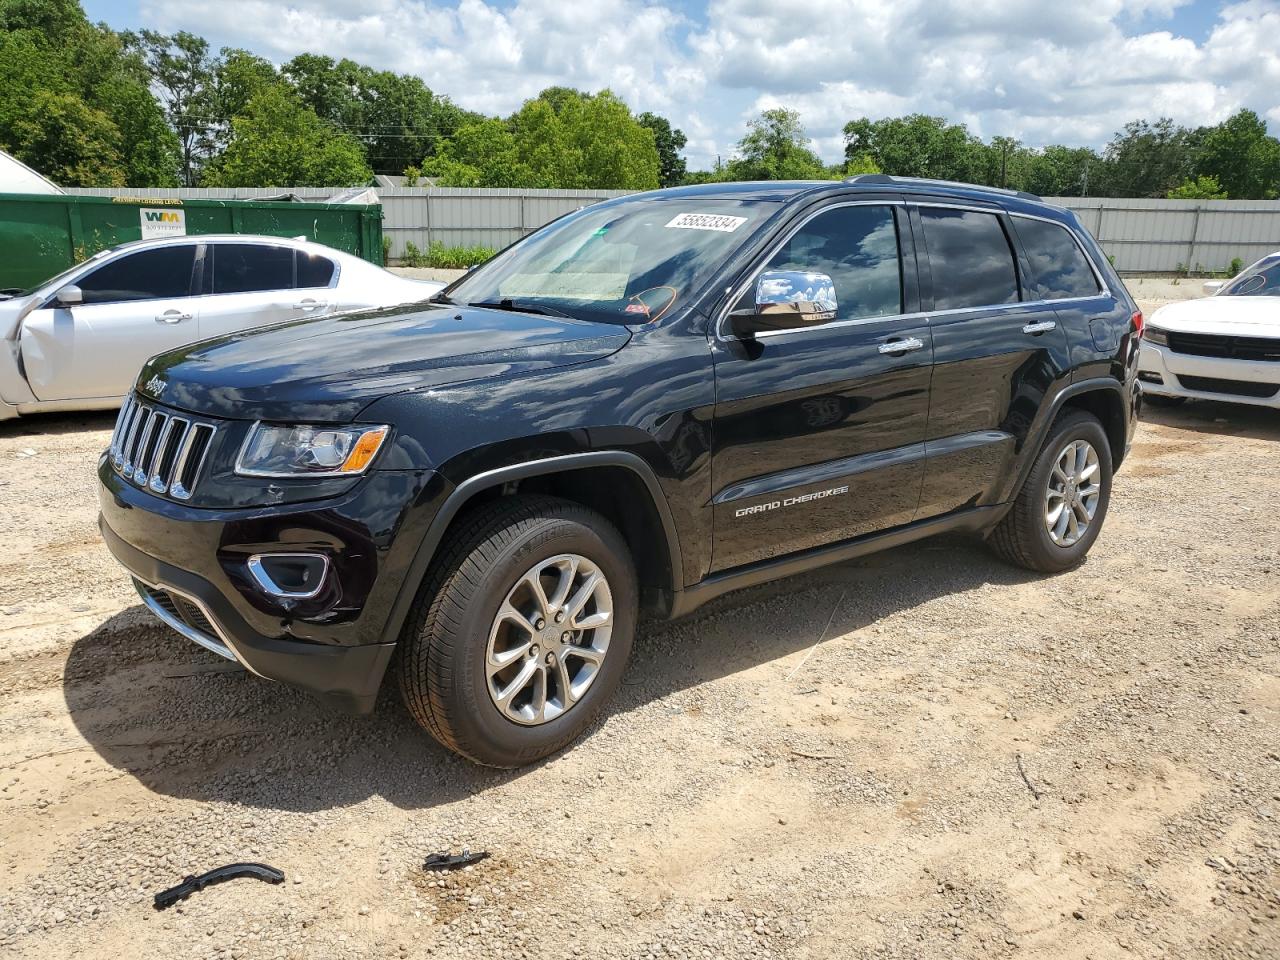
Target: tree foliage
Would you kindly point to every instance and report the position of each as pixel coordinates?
(561, 138)
(280, 142)
(669, 142)
(74, 100)
(1201, 188)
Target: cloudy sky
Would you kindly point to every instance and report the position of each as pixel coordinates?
(1064, 72)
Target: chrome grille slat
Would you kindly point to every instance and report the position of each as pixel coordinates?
(144, 446)
(160, 451)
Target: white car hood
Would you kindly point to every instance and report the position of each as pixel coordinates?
(1227, 316)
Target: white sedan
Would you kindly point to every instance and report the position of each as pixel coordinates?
(1223, 347)
(77, 341)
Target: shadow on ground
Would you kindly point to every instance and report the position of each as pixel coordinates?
(187, 724)
(1210, 416)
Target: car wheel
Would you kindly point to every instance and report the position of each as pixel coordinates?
(522, 632)
(1061, 506)
(1158, 400)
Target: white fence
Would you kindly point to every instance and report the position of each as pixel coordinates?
(1141, 236)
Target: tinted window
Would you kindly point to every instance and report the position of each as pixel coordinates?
(1058, 265)
(147, 275)
(857, 247)
(246, 267)
(314, 270)
(1260, 280)
(970, 259)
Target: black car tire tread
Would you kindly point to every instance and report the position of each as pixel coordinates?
(434, 635)
(1020, 538)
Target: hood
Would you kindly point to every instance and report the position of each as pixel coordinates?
(327, 369)
(1227, 316)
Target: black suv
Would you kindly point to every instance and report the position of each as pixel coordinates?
(641, 406)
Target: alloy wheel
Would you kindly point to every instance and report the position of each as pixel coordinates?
(1073, 494)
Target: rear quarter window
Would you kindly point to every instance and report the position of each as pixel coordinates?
(1059, 268)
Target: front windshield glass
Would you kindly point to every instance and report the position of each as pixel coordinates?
(629, 262)
(1260, 280)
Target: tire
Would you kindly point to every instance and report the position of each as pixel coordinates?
(1023, 537)
(453, 630)
(1158, 400)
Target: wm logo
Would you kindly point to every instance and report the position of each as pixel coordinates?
(161, 216)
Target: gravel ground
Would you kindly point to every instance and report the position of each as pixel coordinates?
(975, 762)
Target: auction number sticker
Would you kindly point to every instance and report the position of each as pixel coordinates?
(706, 221)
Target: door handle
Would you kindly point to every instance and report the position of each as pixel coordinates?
(1042, 326)
(172, 316)
(308, 304)
(904, 345)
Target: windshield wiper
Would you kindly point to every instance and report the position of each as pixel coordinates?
(520, 306)
(440, 298)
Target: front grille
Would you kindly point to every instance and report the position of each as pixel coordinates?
(1265, 349)
(161, 451)
(1240, 388)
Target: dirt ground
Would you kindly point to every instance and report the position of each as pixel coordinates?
(974, 762)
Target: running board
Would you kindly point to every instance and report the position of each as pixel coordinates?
(716, 585)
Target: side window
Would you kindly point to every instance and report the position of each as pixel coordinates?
(160, 274)
(857, 247)
(969, 257)
(1058, 265)
(314, 270)
(250, 267)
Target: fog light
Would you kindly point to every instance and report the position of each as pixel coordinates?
(291, 576)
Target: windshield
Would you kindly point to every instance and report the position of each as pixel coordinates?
(629, 262)
(55, 280)
(1260, 280)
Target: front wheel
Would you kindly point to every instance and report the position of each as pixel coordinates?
(1061, 506)
(523, 631)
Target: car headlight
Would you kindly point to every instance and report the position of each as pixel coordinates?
(274, 450)
(1156, 335)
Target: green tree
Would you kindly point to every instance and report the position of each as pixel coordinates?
(775, 147)
(481, 153)
(239, 76)
(668, 141)
(1239, 155)
(279, 142)
(183, 70)
(917, 146)
(1058, 171)
(1147, 159)
(1201, 188)
(75, 103)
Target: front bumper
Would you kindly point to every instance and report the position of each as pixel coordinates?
(1165, 373)
(189, 566)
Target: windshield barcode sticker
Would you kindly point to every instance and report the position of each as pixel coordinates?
(706, 221)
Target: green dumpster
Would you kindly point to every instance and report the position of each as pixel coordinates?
(43, 235)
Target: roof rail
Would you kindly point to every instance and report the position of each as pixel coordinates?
(868, 178)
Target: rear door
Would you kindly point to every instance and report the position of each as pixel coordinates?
(819, 432)
(254, 284)
(998, 350)
(135, 306)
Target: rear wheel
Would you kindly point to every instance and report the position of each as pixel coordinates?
(1061, 506)
(522, 633)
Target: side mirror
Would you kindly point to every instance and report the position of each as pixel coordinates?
(787, 300)
(1213, 286)
(69, 296)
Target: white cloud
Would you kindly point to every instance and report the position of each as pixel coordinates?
(1041, 72)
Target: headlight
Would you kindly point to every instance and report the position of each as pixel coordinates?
(1156, 335)
(272, 450)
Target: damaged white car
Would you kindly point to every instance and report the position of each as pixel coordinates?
(77, 341)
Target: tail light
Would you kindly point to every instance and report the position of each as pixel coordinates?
(1139, 324)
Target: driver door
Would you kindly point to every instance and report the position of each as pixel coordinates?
(135, 306)
(819, 431)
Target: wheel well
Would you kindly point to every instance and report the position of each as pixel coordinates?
(621, 496)
(1108, 407)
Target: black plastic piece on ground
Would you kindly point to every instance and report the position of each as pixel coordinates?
(450, 861)
(167, 898)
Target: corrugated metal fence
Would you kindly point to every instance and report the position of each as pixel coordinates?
(1141, 236)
